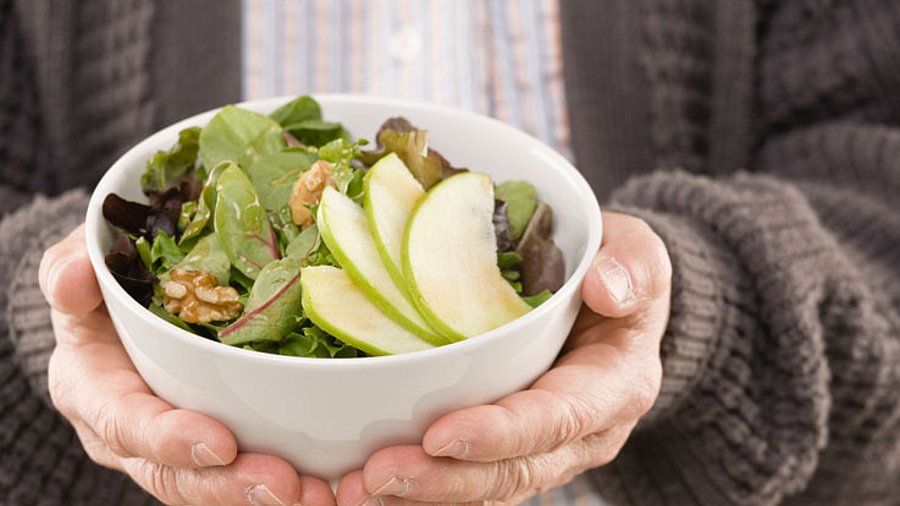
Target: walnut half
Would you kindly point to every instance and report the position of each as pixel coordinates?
(196, 297)
(308, 191)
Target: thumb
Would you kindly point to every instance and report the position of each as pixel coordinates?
(631, 271)
(67, 277)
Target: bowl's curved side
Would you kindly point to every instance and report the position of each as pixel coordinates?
(327, 416)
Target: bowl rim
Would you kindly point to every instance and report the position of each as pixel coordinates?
(94, 222)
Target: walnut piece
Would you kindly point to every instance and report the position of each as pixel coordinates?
(196, 297)
(308, 190)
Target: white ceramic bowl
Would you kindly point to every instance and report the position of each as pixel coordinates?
(326, 416)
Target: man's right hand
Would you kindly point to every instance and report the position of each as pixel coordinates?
(179, 456)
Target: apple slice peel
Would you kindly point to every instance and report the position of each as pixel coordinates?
(333, 302)
(345, 230)
(449, 260)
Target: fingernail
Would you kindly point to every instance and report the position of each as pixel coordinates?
(615, 278)
(260, 495)
(457, 448)
(398, 486)
(204, 457)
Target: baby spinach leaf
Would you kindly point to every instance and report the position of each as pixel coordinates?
(238, 135)
(298, 110)
(164, 254)
(521, 200)
(209, 257)
(271, 308)
(538, 298)
(284, 228)
(242, 226)
(205, 205)
(315, 132)
(166, 168)
(274, 175)
(302, 246)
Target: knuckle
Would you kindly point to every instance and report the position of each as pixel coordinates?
(644, 392)
(109, 429)
(601, 449)
(572, 422)
(517, 477)
(160, 481)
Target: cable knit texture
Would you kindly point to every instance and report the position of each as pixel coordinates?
(782, 357)
(41, 461)
(781, 360)
(80, 82)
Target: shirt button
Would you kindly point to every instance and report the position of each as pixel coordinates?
(406, 45)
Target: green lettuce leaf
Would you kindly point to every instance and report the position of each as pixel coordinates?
(164, 253)
(205, 205)
(241, 224)
(297, 111)
(272, 307)
(166, 168)
(165, 315)
(340, 153)
(538, 298)
(240, 136)
(305, 244)
(315, 132)
(314, 342)
(521, 200)
(274, 175)
(207, 256)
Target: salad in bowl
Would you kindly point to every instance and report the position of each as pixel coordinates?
(323, 297)
(282, 234)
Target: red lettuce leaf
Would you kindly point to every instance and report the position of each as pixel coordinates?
(126, 266)
(501, 227)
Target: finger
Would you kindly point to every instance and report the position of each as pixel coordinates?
(315, 492)
(97, 384)
(631, 271)
(590, 389)
(410, 473)
(352, 492)
(67, 278)
(250, 479)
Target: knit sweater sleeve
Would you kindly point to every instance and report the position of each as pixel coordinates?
(781, 359)
(41, 459)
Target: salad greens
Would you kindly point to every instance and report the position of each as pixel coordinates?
(222, 202)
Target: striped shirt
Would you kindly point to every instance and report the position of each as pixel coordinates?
(501, 58)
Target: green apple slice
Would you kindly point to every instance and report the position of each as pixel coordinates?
(391, 194)
(334, 303)
(450, 260)
(345, 231)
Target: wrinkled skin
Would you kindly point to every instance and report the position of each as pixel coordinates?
(575, 417)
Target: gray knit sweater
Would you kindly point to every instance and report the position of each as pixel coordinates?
(760, 139)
